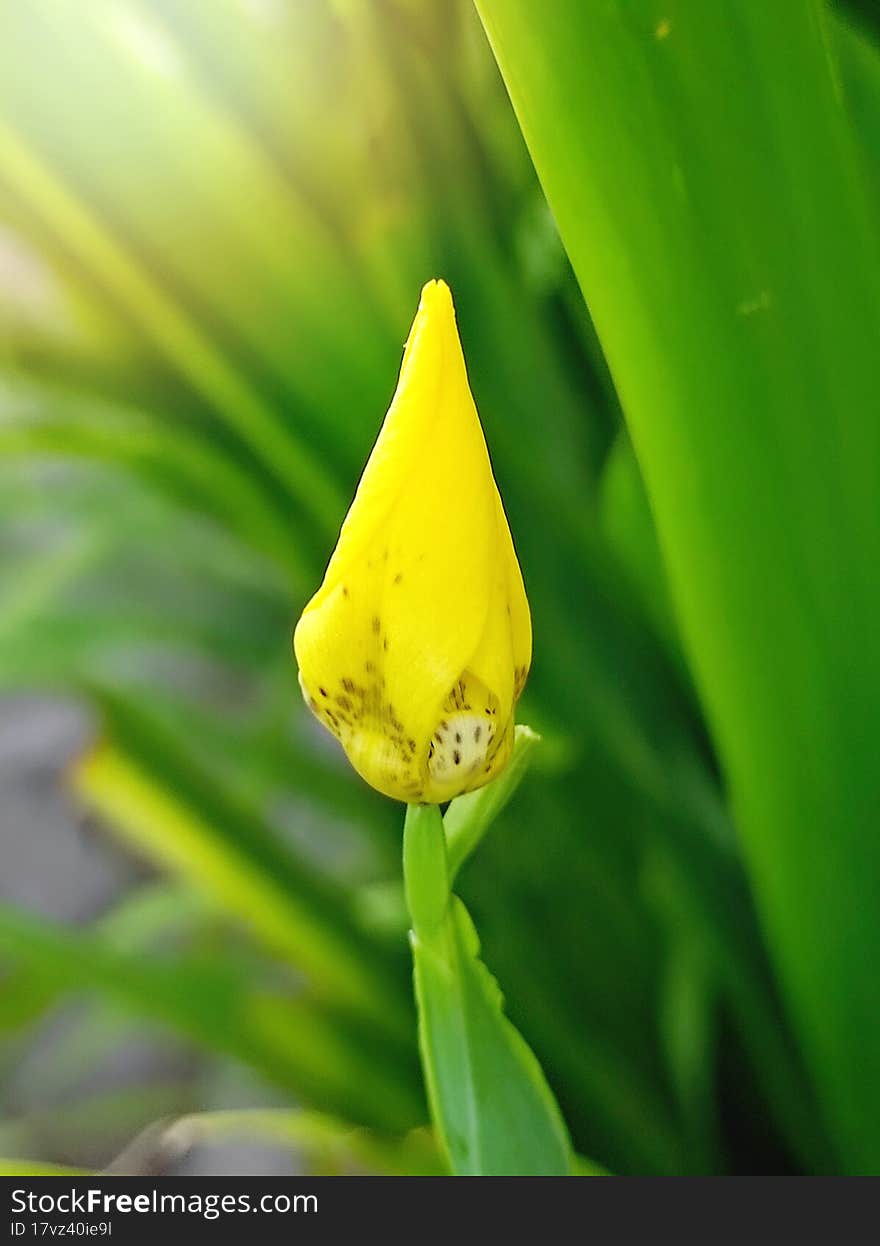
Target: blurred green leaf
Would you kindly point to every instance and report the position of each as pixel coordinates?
(328, 1143)
(224, 1006)
(469, 817)
(37, 1168)
(223, 850)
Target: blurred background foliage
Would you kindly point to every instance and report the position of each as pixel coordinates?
(215, 219)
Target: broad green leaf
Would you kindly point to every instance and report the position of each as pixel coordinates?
(858, 62)
(710, 191)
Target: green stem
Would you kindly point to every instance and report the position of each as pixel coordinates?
(492, 1108)
(425, 871)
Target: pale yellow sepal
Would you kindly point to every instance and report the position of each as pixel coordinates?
(415, 648)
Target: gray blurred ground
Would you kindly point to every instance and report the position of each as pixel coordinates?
(76, 1088)
(49, 860)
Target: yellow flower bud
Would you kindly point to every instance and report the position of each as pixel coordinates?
(415, 648)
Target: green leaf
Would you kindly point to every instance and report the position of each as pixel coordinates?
(489, 1098)
(710, 191)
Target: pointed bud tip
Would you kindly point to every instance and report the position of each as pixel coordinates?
(435, 296)
(434, 321)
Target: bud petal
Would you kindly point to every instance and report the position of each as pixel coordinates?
(416, 646)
